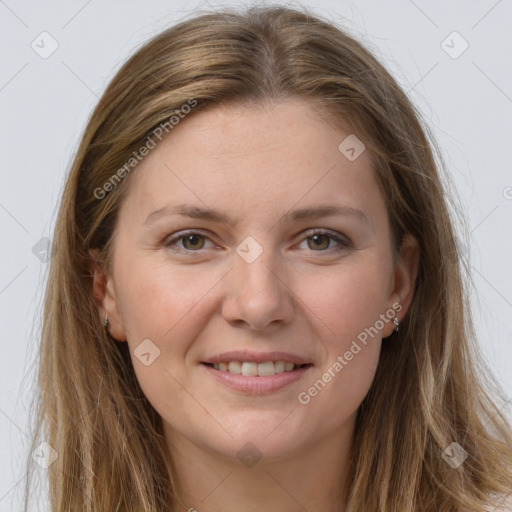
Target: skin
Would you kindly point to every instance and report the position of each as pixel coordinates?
(255, 164)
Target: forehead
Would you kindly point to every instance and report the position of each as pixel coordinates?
(256, 157)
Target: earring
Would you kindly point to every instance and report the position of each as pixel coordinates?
(105, 322)
(397, 324)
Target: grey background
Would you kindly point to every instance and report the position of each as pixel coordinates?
(44, 104)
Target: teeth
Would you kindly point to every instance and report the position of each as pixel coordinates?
(265, 369)
(251, 369)
(279, 366)
(235, 367)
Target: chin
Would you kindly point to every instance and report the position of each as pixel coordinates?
(273, 436)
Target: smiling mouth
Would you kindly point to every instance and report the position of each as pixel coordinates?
(252, 369)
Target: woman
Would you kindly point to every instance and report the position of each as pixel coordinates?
(256, 300)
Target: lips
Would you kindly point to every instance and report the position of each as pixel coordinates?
(257, 372)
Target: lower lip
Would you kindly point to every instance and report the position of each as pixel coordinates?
(257, 385)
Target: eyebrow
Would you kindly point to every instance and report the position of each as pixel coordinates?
(198, 212)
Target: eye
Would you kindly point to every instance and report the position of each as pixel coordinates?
(192, 241)
(320, 241)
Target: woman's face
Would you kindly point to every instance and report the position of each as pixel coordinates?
(226, 254)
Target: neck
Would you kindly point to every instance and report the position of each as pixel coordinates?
(313, 478)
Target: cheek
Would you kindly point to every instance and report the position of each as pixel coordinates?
(157, 300)
(352, 305)
(350, 299)
(349, 304)
(169, 307)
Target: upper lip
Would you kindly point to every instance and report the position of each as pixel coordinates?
(256, 357)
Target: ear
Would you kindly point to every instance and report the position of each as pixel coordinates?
(403, 281)
(105, 297)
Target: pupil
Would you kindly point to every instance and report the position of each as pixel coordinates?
(318, 239)
(193, 240)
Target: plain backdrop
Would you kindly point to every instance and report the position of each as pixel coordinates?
(461, 82)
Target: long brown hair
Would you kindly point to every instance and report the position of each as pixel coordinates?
(431, 388)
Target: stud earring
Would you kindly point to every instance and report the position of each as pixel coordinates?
(397, 324)
(105, 322)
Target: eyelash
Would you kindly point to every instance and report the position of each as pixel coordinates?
(344, 243)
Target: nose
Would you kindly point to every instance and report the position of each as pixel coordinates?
(257, 297)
